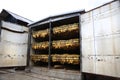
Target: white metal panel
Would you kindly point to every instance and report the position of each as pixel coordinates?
(7, 60)
(14, 37)
(14, 27)
(86, 26)
(107, 21)
(13, 55)
(106, 65)
(100, 65)
(88, 64)
(115, 18)
(108, 45)
(88, 47)
(116, 44)
(104, 45)
(102, 27)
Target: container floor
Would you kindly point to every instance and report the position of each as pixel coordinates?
(60, 73)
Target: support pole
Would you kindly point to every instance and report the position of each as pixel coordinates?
(28, 49)
(50, 45)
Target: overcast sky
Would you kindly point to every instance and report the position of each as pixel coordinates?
(38, 9)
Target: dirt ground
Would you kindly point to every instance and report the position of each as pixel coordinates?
(22, 75)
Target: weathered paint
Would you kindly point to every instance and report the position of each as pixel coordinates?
(13, 45)
(88, 64)
(101, 39)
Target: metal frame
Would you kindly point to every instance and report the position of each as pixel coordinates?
(50, 44)
(0, 27)
(56, 18)
(28, 48)
(51, 20)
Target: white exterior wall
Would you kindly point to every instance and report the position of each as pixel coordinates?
(101, 40)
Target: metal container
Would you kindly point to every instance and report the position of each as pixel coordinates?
(101, 40)
(63, 44)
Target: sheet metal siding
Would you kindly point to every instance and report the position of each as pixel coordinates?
(13, 48)
(20, 38)
(101, 40)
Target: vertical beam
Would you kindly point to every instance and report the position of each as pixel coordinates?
(0, 26)
(29, 47)
(50, 45)
(80, 40)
